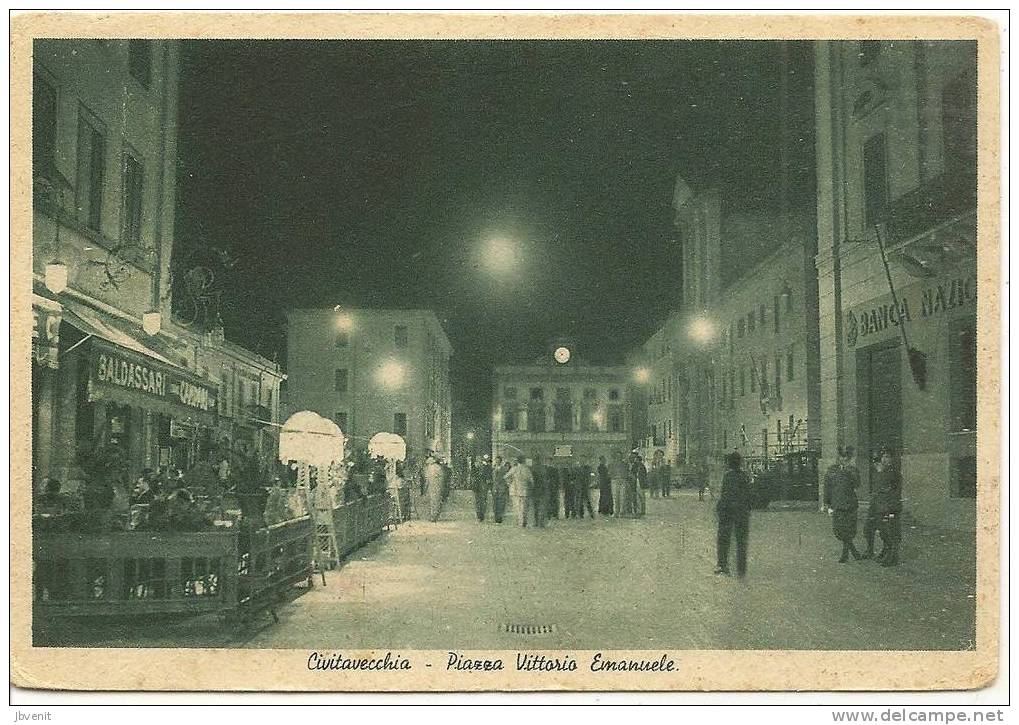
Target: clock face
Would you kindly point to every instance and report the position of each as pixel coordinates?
(562, 355)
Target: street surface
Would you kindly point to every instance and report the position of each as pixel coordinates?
(607, 584)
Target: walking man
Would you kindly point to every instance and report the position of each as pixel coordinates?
(619, 473)
(840, 484)
(733, 511)
(521, 484)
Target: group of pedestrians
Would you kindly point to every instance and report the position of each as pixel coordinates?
(841, 481)
(884, 512)
(540, 490)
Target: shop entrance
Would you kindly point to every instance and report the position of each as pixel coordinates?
(879, 398)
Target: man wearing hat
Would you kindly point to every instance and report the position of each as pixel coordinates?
(885, 509)
(733, 509)
(840, 484)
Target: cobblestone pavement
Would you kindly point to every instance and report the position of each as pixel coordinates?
(609, 584)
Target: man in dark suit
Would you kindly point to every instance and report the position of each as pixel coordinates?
(540, 493)
(733, 509)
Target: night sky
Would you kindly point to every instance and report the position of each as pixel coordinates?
(372, 174)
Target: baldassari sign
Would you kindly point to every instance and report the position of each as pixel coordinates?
(116, 373)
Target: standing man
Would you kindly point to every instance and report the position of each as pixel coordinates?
(521, 484)
(583, 472)
(655, 475)
(481, 482)
(567, 490)
(540, 492)
(434, 479)
(885, 509)
(500, 490)
(620, 474)
(552, 490)
(604, 488)
(733, 511)
(840, 484)
(639, 483)
(666, 477)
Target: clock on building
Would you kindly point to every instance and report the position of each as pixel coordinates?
(562, 354)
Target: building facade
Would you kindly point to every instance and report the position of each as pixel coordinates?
(736, 366)
(560, 408)
(372, 371)
(765, 374)
(115, 380)
(896, 162)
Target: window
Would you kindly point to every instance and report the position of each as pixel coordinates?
(400, 424)
(959, 124)
(340, 383)
(790, 370)
(44, 125)
(342, 338)
(341, 420)
(536, 416)
(400, 336)
(869, 51)
(90, 177)
(875, 179)
(963, 376)
(133, 181)
(732, 383)
(537, 394)
(509, 419)
(788, 301)
(778, 375)
(740, 327)
(751, 321)
(775, 310)
(139, 59)
(562, 393)
(762, 313)
(616, 419)
(764, 377)
(614, 394)
(563, 417)
(742, 381)
(509, 393)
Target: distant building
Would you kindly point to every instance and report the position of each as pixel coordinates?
(559, 407)
(114, 374)
(896, 152)
(736, 365)
(371, 371)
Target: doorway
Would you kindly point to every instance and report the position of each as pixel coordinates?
(879, 398)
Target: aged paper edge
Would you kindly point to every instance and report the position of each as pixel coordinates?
(286, 670)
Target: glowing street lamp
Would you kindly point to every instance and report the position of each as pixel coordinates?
(470, 435)
(500, 254)
(702, 329)
(344, 322)
(390, 374)
(641, 375)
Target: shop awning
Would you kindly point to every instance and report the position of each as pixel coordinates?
(125, 370)
(91, 323)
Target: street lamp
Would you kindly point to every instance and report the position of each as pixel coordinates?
(390, 374)
(702, 329)
(641, 375)
(500, 254)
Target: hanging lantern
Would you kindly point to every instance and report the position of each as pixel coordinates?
(152, 323)
(56, 277)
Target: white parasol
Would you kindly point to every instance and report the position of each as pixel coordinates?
(309, 438)
(390, 446)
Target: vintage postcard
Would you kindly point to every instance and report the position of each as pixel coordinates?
(465, 352)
